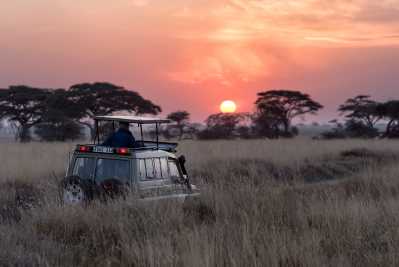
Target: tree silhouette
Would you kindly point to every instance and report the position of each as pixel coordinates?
(181, 118)
(59, 118)
(23, 106)
(267, 124)
(362, 108)
(283, 106)
(106, 98)
(390, 111)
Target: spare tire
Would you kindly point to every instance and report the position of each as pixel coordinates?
(75, 190)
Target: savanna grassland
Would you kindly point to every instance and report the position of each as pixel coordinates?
(264, 203)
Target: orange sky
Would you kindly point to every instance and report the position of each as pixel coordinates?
(192, 54)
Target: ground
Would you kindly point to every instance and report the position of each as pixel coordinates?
(264, 203)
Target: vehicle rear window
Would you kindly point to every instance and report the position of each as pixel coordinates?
(112, 169)
(83, 167)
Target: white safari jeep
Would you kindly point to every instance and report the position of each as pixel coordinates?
(150, 171)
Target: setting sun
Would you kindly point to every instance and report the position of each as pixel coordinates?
(228, 106)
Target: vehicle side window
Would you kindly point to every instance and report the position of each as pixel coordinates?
(149, 168)
(164, 168)
(142, 171)
(112, 169)
(153, 168)
(174, 169)
(83, 167)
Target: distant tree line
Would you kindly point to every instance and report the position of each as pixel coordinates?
(275, 111)
(362, 116)
(60, 114)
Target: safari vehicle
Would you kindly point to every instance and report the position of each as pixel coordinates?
(150, 171)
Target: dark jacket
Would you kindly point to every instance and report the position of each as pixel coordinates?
(121, 138)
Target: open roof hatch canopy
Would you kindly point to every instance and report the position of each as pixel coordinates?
(130, 119)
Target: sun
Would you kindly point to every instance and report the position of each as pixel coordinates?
(228, 106)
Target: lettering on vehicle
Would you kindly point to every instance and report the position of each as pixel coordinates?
(103, 149)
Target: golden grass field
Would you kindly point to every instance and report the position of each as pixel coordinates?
(264, 203)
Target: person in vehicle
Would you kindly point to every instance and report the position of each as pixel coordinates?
(121, 138)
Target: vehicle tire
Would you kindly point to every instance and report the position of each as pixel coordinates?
(75, 190)
(113, 189)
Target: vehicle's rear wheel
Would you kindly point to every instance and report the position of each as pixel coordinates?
(75, 191)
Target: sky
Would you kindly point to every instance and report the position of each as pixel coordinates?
(193, 54)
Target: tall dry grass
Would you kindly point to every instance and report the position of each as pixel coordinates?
(264, 203)
(33, 161)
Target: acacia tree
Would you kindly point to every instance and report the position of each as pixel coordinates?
(390, 111)
(266, 124)
(362, 109)
(59, 118)
(283, 106)
(181, 118)
(23, 106)
(106, 98)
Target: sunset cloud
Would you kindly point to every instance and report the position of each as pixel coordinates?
(186, 53)
(239, 34)
(292, 22)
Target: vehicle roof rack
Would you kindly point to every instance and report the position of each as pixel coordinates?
(132, 119)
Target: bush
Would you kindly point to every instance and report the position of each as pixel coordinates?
(394, 132)
(357, 129)
(334, 134)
